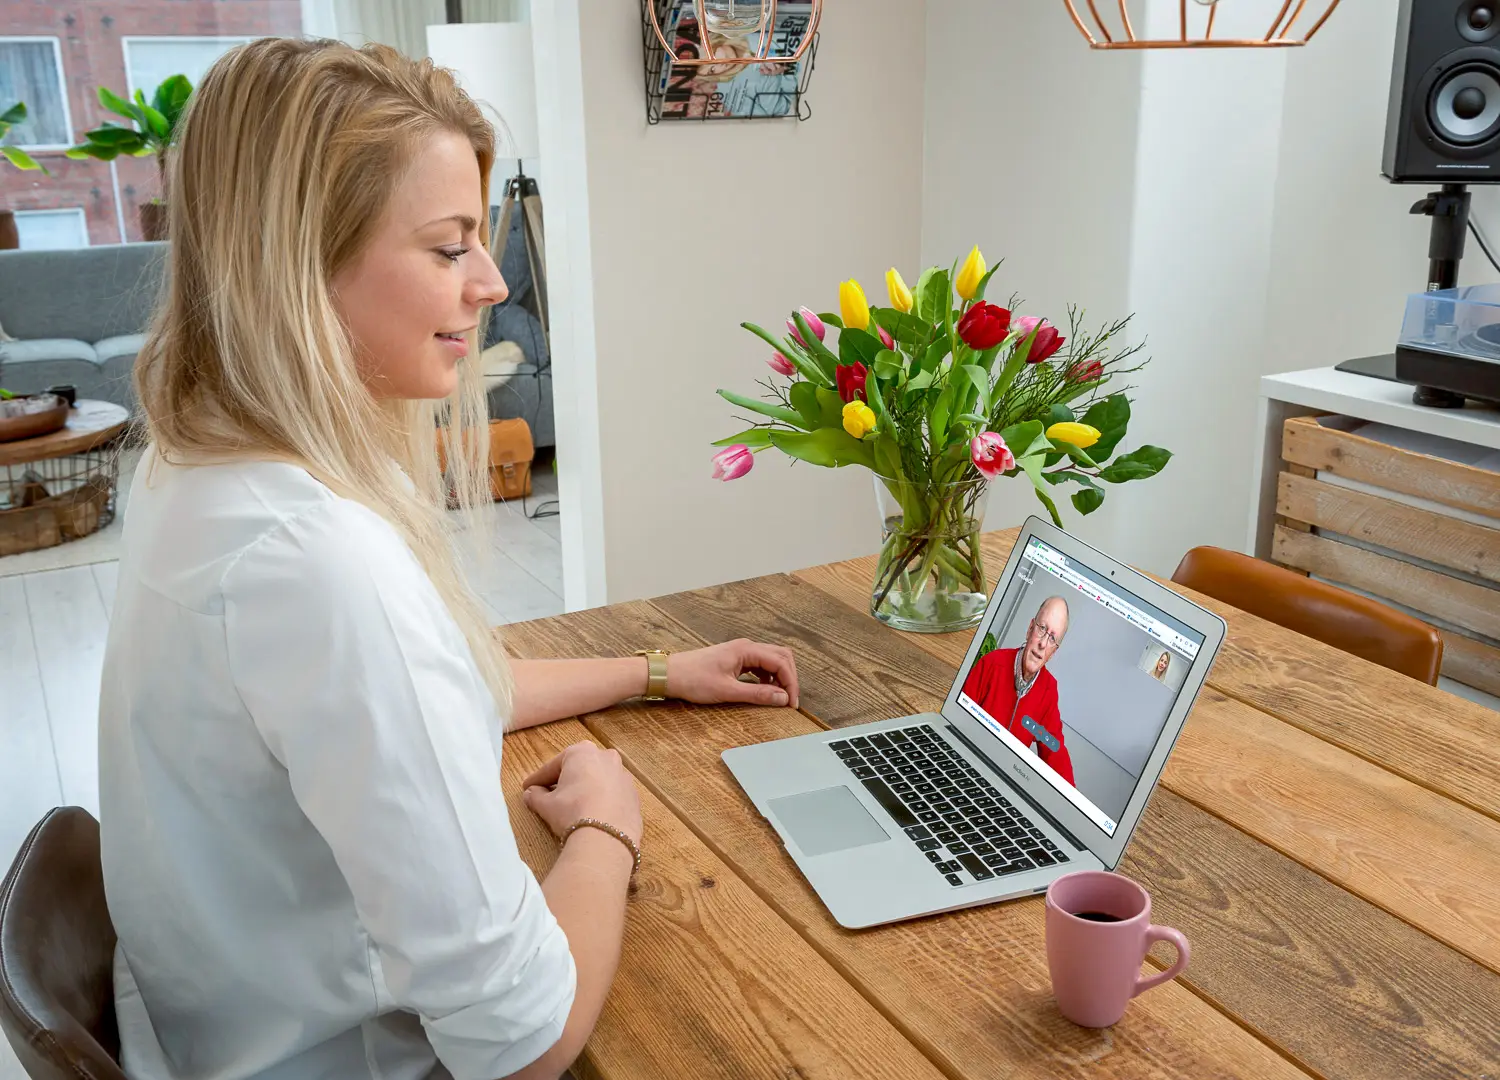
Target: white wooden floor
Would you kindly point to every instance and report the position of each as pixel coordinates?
(53, 625)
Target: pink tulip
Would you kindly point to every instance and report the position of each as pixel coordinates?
(990, 454)
(1025, 323)
(886, 339)
(781, 365)
(1046, 342)
(814, 324)
(733, 462)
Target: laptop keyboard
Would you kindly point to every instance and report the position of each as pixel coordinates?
(968, 831)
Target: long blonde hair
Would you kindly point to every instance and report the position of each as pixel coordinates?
(288, 153)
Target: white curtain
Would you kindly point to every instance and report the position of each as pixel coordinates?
(399, 23)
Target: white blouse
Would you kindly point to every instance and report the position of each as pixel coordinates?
(306, 851)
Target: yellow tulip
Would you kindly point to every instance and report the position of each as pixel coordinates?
(853, 306)
(970, 274)
(900, 294)
(1080, 435)
(859, 419)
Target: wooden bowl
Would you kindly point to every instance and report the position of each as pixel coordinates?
(34, 424)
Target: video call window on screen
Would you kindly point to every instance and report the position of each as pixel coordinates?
(1077, 677)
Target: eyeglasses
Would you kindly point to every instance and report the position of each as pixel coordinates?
(1047, 635)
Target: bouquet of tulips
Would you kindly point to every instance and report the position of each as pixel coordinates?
(937, 394)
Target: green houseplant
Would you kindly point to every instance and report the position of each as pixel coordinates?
(152, 131)
(16, 114)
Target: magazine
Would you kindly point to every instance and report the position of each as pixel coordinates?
(721, 91)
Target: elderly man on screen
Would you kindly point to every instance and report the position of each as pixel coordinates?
(1016, 689)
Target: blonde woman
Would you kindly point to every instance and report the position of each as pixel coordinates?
(306, 850)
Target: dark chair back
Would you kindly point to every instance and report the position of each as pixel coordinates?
(1345, 620)
(57, 946)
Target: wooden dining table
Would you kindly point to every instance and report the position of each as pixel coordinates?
(1326, 833)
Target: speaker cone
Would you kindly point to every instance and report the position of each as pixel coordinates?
(1464, 107)
(1479, 20)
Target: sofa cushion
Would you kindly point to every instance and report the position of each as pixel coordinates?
(124, 347)
(33, 351)
(88, 293)
(28, 367)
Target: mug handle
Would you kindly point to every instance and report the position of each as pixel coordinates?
(1154, 934)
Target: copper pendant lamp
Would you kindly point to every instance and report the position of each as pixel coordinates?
(1293, 24)
(732, 23)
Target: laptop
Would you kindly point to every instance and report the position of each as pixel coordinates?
(1040, 763)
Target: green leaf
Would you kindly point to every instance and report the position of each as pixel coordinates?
(921, 380)
(828, 447)
(16, 114)
(1059, 414)
(1077, 453)
(156, 123)
(5, 394)
(1136, 465)
(93, 150)
(1031, 465)
(932, 296)
(754, 438)
(858, 346)
(905, 327)
(980, 380)
(1111, 416)
(1087, 500)
(836, 321)
(830, 408)
(820, 353)
(764, 408)
(937, 420)
(1026, 438)
(984, 282)
(112, 134)
(888, 365)
(806, 368)
(804, 397)
(1013, 365)
(887, 455)
(20, 159)
(171, 98)
(120, 107)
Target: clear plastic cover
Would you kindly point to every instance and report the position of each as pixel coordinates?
(1462, 322)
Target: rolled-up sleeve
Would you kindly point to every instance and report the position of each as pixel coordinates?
(365, 690)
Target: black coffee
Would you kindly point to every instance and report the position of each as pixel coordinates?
(1097, 916)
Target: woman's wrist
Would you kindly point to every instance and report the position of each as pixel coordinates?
(602, 848)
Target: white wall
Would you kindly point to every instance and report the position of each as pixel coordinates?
(693, 228)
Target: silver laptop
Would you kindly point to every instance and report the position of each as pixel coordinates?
(1048, 746)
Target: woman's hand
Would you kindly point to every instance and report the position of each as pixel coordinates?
(584, 781)
(707, 676)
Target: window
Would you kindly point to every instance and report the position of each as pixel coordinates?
(52, 229)
(151, 60)
(31, 71)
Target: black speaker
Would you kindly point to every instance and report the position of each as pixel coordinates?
(1444, 119)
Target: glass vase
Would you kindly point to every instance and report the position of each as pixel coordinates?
(930, 575)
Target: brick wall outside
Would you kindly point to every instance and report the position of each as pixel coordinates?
(90, 33)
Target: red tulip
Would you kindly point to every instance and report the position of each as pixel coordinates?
(733, 462)
(814, 324)
(781, 365)
(990, 455)
(1046, 342)
(1088, 371)
(850, 379)
(984, 326)
(886, 339)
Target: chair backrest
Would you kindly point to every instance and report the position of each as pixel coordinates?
(1345, 620)
(87, 294)
(57, 954)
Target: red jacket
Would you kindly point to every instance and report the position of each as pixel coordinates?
(992, 684)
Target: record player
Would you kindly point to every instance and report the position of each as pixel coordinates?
(1450, 340)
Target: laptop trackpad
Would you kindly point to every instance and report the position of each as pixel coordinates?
(828, 820)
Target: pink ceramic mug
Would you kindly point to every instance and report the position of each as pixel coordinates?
(1098, 930)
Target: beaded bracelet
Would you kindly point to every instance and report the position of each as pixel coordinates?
(606, 827)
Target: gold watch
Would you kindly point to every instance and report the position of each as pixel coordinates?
(656, 674)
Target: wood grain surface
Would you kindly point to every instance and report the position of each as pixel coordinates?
(1352, 703)
(1464, 603)
(969, 988)
(90, 424)
(711, 983)
(1473, 663)
(1308, 443)
(1437, 538)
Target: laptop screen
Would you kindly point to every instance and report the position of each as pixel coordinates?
(1076, 678)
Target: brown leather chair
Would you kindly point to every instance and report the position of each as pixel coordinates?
(57, 949)
(1343, 619)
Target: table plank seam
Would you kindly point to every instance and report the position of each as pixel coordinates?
(1349, 888)
(1348, 748)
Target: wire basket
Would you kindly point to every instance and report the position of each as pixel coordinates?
(45, 503)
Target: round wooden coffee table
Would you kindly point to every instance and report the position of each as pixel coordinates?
(61, 486)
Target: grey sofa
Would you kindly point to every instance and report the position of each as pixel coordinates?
(77, 317)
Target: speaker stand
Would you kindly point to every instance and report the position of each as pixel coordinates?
(1449, 210)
